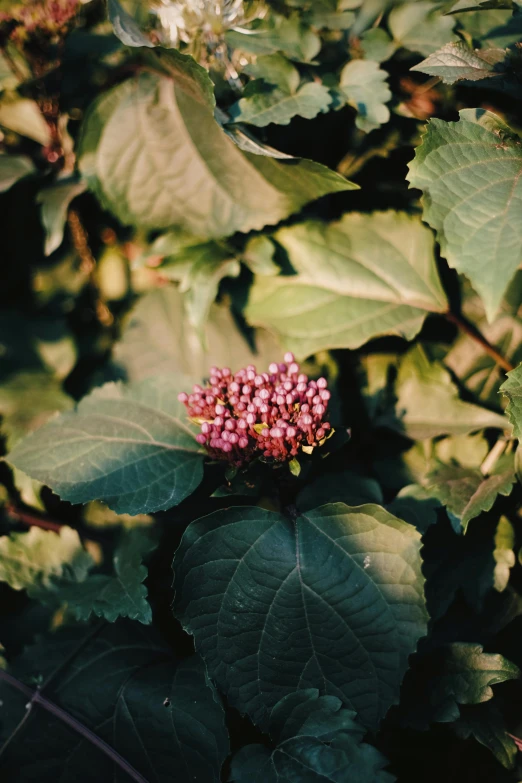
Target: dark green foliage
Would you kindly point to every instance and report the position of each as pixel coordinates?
(260, 407)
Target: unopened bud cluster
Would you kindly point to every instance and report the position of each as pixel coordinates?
(273, 414)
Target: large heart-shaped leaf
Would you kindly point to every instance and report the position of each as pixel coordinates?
(127, 446)
(153, 152)
(333, 601)
(364, 276)
(469, 172)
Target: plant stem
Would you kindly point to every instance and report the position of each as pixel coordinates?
(35, 697)
(493, 456)
(18, 515)
(472, 331)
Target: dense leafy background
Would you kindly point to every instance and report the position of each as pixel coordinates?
(336, 178)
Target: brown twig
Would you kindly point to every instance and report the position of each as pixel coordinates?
(81, 242)
(31, 520)
(35, 697)
(472, 331)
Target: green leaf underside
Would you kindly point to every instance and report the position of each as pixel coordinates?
(365, 276)
(31, 561)
(127, 446)
(459, 673)
(277, 106)
(123, 684)
(318, 740)
(363, 85)
(456, 61)
(336, 604)
(156, 157)
(469, 172)
(466, 492)
(512, 389)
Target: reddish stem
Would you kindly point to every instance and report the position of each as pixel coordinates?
(26, 518)
(472, 331)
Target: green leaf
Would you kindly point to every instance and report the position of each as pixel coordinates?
(27, 401)
(258, 255)
(472, 5)
(491, 29)
(199, 268)
(456, 565)
(127, 446)
(262, 106)
(154, 154)
(469, 172)
(364, 86)
(512, 389)
(420, 27)
(416, 505)
(318, 740)
(478, 371)
(125, 26)
(269, 618)
(23, 116)
(13, 168)
(111, 596)
(466, 492)
(418, 380)
(364, 276)
(277, 70)
(339, 486)
(158, 339)
(30, 561)
(290, 35)
(456, 61)
(55, 202)
(377, 45)
(332, 20)
(486, 724)
(458, 673)
(122, 683)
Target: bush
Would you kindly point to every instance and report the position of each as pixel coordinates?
(260, 393)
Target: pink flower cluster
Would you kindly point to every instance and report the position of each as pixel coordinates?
(274, 414)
